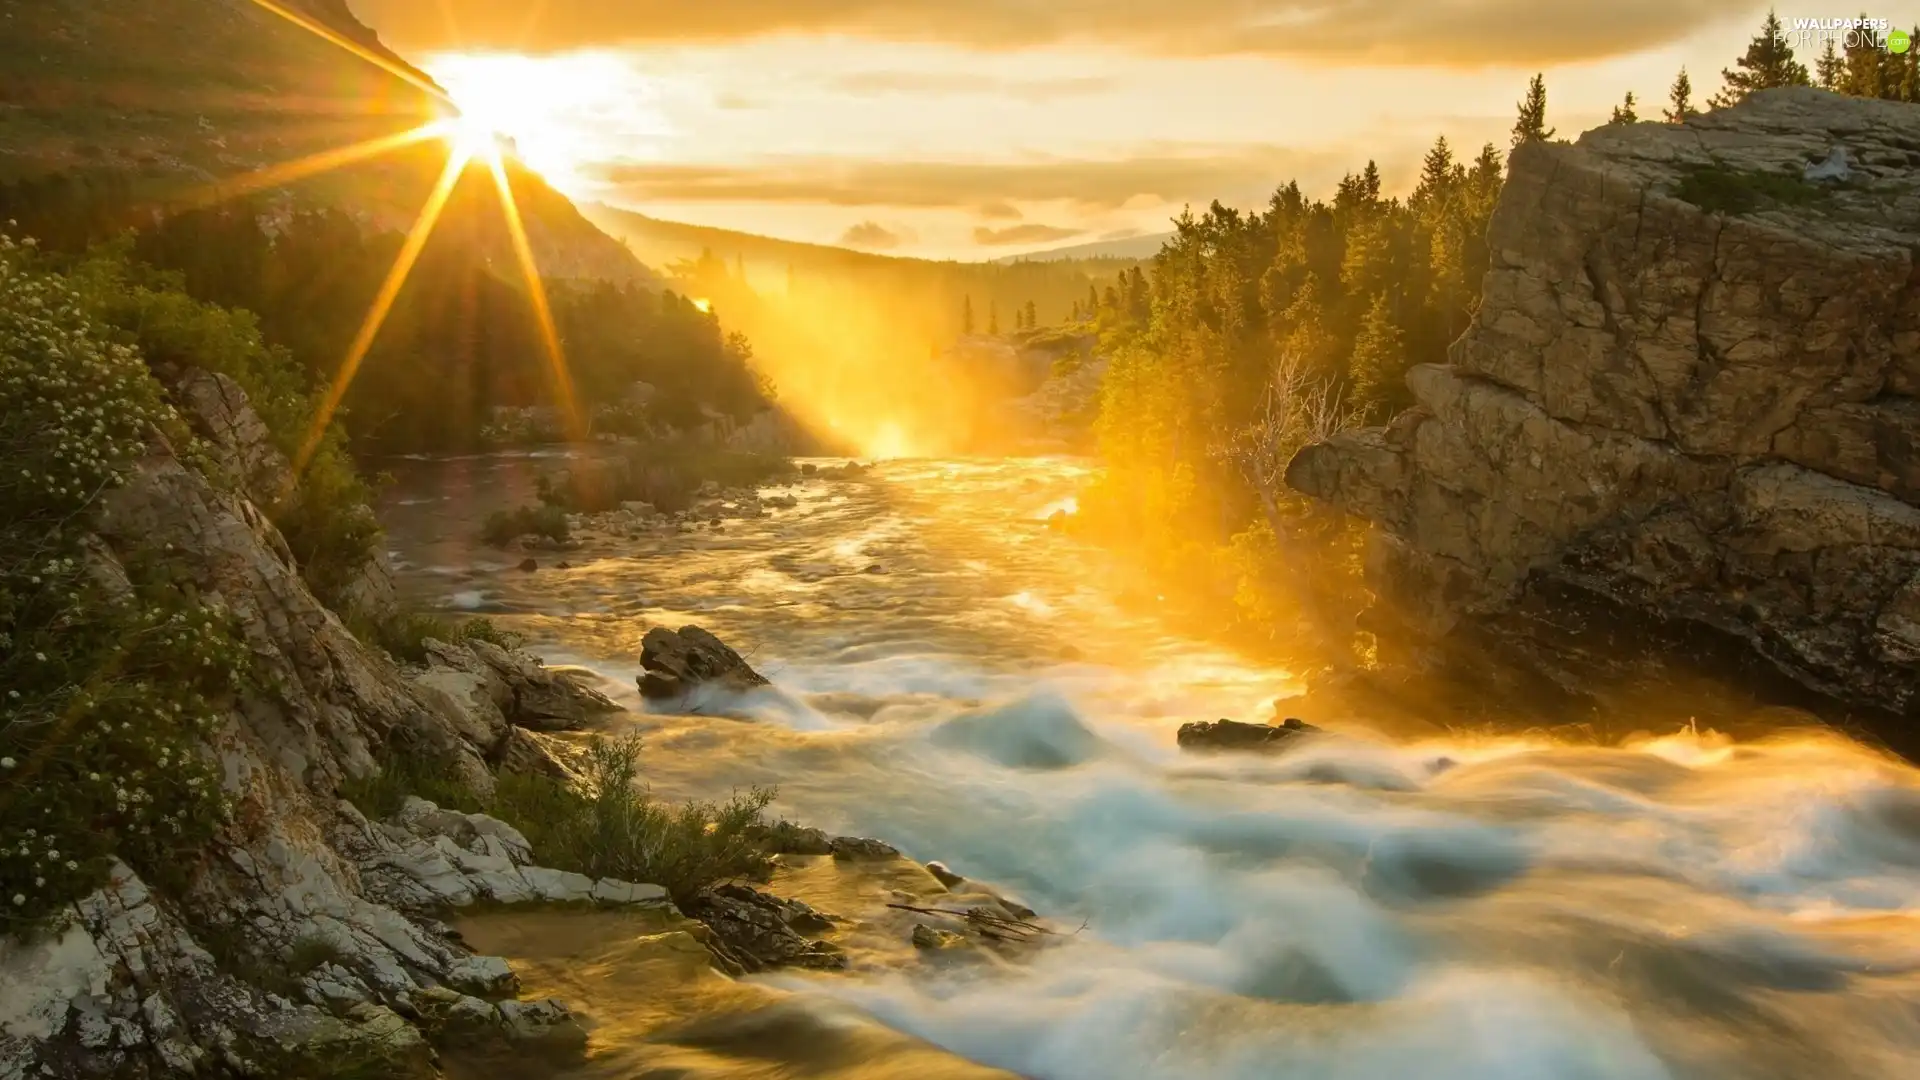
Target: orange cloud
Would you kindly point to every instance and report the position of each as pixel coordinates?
(873, 236)
(1400, 32)
(1171, 174)
(1022, 234)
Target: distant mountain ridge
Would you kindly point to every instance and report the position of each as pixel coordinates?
(1129, 248)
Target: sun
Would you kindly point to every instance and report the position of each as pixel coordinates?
(473, 135)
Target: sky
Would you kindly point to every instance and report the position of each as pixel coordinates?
(975, 129)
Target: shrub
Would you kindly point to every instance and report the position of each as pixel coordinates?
(405, 636)
(111, 683)
(610, 827)
(503, 527)
(411, 771)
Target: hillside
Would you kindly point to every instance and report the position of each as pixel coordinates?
(1126, 249)
(173, 101)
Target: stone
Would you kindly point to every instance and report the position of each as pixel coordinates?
(787, 838)
(862, 849)
(541, 699)
(1702, 421)
(548, 1025)
(945, 876)
(932, 939)
(751, 931)
(1236, 735)
(528, 566)
(678, 663)
(483, 976)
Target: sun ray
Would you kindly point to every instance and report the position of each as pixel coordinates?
(313, 164)
(382, 304)
(537, 293)
(396, 70)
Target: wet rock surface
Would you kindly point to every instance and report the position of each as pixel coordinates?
(1237, 735)
(1681, 399)
(680, 662)
(751, 931)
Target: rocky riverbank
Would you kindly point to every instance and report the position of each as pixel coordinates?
(1690, 402)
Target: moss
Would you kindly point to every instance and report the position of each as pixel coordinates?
(1720, 189)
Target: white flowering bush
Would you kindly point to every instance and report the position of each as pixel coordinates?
(107, 686)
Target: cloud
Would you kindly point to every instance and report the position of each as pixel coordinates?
(1399, 32)
(873, 236)
(935, 83)
(1022, 234)
(996, 210)
(1165, 173)
(1120, 234)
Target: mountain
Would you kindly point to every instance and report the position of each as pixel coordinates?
(172, 102)
(1130, 249)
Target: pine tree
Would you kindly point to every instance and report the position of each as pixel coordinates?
(1093, 300)
(1370, 182)
(1679, 99)
(993, 317)
(1623, 113)
(1861, 72)
(1829, 70)
(966, 317)
(1379, 357)
(1484, 178)
(1768, 63)
(1033, 316)
(1439, 176)
(1531, 126)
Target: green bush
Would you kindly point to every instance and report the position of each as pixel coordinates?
(111, 683)
(503, 527)
(324, 518)
(411, 771)
(610, 827)
(405, 636)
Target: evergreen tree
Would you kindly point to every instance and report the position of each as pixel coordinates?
(1829, 71)
(993, 317)
(1093, 301)
(1679, 99)
(1484, 178)
(966, 317)
(1531, 125)
(1033, 316)
(1440, 177)
(1076, 311)
(1768, 63)
(1370, 182)
(1623, 113)
(1379, 359)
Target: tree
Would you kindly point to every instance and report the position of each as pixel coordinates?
(1829, 71)
(1033, 316)
(1679, 99)
(1093, 301)
(1531, 125)
(966, 317)
(1768, 63)
(1484, 178)
(993, 317)
(1379, 358)
(1623, 113)
(1440, 175)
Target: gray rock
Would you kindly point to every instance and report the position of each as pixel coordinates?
(751, 931)
(862, 849)
(680, 662)
(1703, 418)
(945, 876)
(1235, 735)
(787, 838)
(483, 976)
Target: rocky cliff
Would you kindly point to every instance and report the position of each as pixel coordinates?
(1691, 393)
(306, 943)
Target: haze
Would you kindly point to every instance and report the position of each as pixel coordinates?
(978, 130)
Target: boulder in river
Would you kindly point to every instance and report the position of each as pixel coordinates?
(787, 838)
(750, 931)
(863, 849)
(677, 662)
(1237, 735)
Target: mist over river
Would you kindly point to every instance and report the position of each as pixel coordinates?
(1386, 901)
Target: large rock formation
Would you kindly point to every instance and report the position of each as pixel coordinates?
(307, 936)
(1692, 392)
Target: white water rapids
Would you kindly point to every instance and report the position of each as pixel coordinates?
(1372, 905)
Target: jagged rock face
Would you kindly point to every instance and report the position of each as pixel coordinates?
(1711, 418)
(681, 662)
(140, 985)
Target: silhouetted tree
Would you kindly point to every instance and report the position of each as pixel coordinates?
(1531, 125)
(1623, 113)
(1679, 99)
(1033, 316)
(1767, 63)
(966, 317)
(1829, 71)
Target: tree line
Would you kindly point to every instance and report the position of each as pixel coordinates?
(1327, 303)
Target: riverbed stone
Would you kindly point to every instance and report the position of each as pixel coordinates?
(679, 662)
(1236, 735)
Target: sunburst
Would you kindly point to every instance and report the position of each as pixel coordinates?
(469, 140)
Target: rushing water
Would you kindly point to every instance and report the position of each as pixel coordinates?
(1384, 902)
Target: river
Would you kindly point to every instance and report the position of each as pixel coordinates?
(1383, 902)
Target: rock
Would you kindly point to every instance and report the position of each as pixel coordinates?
(786, 838)
(876, 568)
(750, 931)
(1671, 420)
(529, 754)
(483, 976)
(540, 698)
(528, 566)
(809, 468)
(1235, 735)
(862, 849)
(547, 1024)
(930, 939)
(945, 876)
(680, 662)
